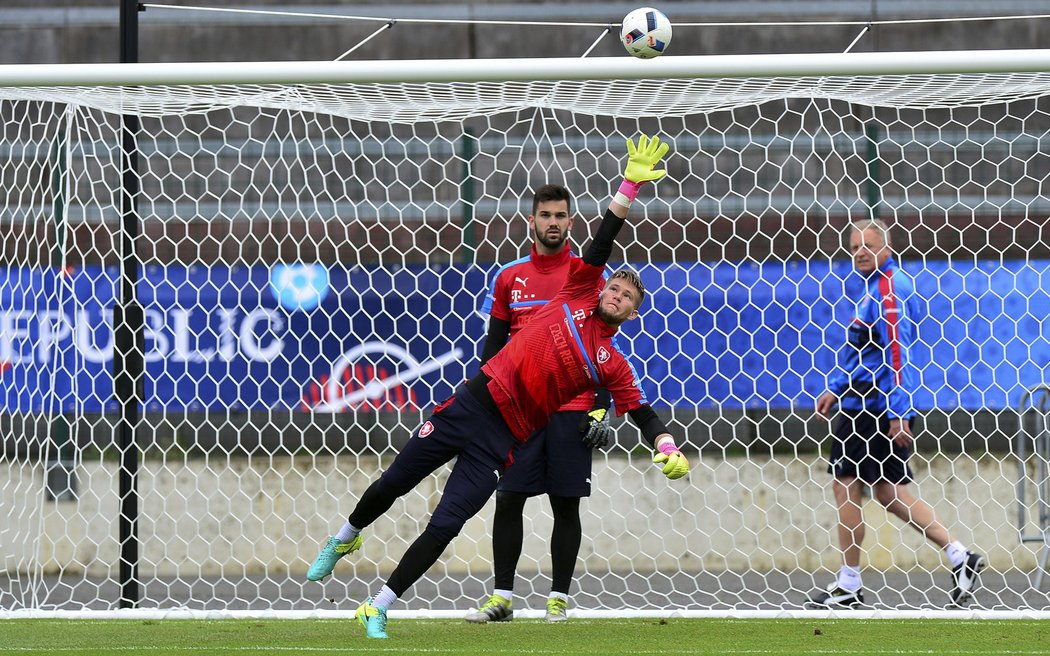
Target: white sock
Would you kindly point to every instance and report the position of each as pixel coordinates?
(558, 595)
(849, 578)
(347, 533)
(506, 594)
(956, 553)
(384, 598)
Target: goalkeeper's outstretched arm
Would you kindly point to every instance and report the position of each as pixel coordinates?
(639, 170)
(671, 461)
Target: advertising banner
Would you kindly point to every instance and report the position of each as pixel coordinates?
(333, 339)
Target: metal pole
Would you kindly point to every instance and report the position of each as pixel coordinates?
(467, 194)
(871, 139)
(61, 483)
(128, 331)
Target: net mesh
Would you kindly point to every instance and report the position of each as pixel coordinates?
(313, 258)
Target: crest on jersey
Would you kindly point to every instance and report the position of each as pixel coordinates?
(426, 429)
(603, 355)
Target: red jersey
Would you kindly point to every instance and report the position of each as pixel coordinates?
(521, 288)
(563, 351)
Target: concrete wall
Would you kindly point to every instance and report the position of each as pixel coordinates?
(266, 515)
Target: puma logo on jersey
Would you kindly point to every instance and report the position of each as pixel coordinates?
(524, 281)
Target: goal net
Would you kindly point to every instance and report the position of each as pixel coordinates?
(314, 243)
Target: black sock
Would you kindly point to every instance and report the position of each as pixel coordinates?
(565, 542)
(507, 536)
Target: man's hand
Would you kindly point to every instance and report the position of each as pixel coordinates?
(672, 461)
(642, 159)
(674, 464)
(900, 432)
(825, 404)
(595, 429)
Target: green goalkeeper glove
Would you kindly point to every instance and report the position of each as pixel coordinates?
(595, 428)
(642, 159)
(674, 462)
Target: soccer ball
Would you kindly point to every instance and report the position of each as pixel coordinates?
(645, 32)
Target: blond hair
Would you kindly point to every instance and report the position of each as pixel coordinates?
(634, 279)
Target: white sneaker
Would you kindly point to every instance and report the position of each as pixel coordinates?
(835, 597)
(496, 609)
(966, 578)
(557, 610)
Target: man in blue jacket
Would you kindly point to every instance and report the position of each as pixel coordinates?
(872, 387)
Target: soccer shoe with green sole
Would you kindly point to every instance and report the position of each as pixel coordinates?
(966, 578)
(496, 609)
(557, 610)
(372, 618)
(331, 553)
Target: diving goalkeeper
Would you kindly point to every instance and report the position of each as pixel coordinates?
(565, 350)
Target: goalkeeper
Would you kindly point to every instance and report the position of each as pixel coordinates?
(556, 459)
(565, 350)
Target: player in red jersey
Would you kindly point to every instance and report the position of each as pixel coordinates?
(565, 350)
(556, 459)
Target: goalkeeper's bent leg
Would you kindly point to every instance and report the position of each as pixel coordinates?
(468, 488)
(418, 459)
(420, 556)
(375, 501)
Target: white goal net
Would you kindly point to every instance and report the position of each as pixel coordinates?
(313, 253)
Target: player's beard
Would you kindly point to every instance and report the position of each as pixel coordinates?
(604, 316)
(550, 241)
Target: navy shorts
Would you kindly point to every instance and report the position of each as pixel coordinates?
(483, 446)
(554, 460)
(863, 449)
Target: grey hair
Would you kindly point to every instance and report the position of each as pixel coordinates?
(878, 225)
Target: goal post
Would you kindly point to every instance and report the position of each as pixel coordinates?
(315, 242)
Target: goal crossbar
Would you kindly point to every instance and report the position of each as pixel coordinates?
(525, 69)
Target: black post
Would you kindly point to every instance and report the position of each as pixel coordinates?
(467, 194)
(128, 329)
(871, 139)
(61, 480)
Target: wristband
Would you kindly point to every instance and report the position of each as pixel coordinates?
(666, 446)
(622, 199)
(628, 189)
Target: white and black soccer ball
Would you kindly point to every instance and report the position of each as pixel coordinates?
(645, 32)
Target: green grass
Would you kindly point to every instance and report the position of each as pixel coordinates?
(579, 636)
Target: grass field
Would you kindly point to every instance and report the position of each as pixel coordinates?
(579, 636)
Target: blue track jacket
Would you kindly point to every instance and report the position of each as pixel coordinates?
(873, 370)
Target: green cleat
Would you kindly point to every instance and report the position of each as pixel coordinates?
(373, 619)
(557, 610)
(496, 609)
(331, 553)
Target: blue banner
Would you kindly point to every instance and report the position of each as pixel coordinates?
(307, 337)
